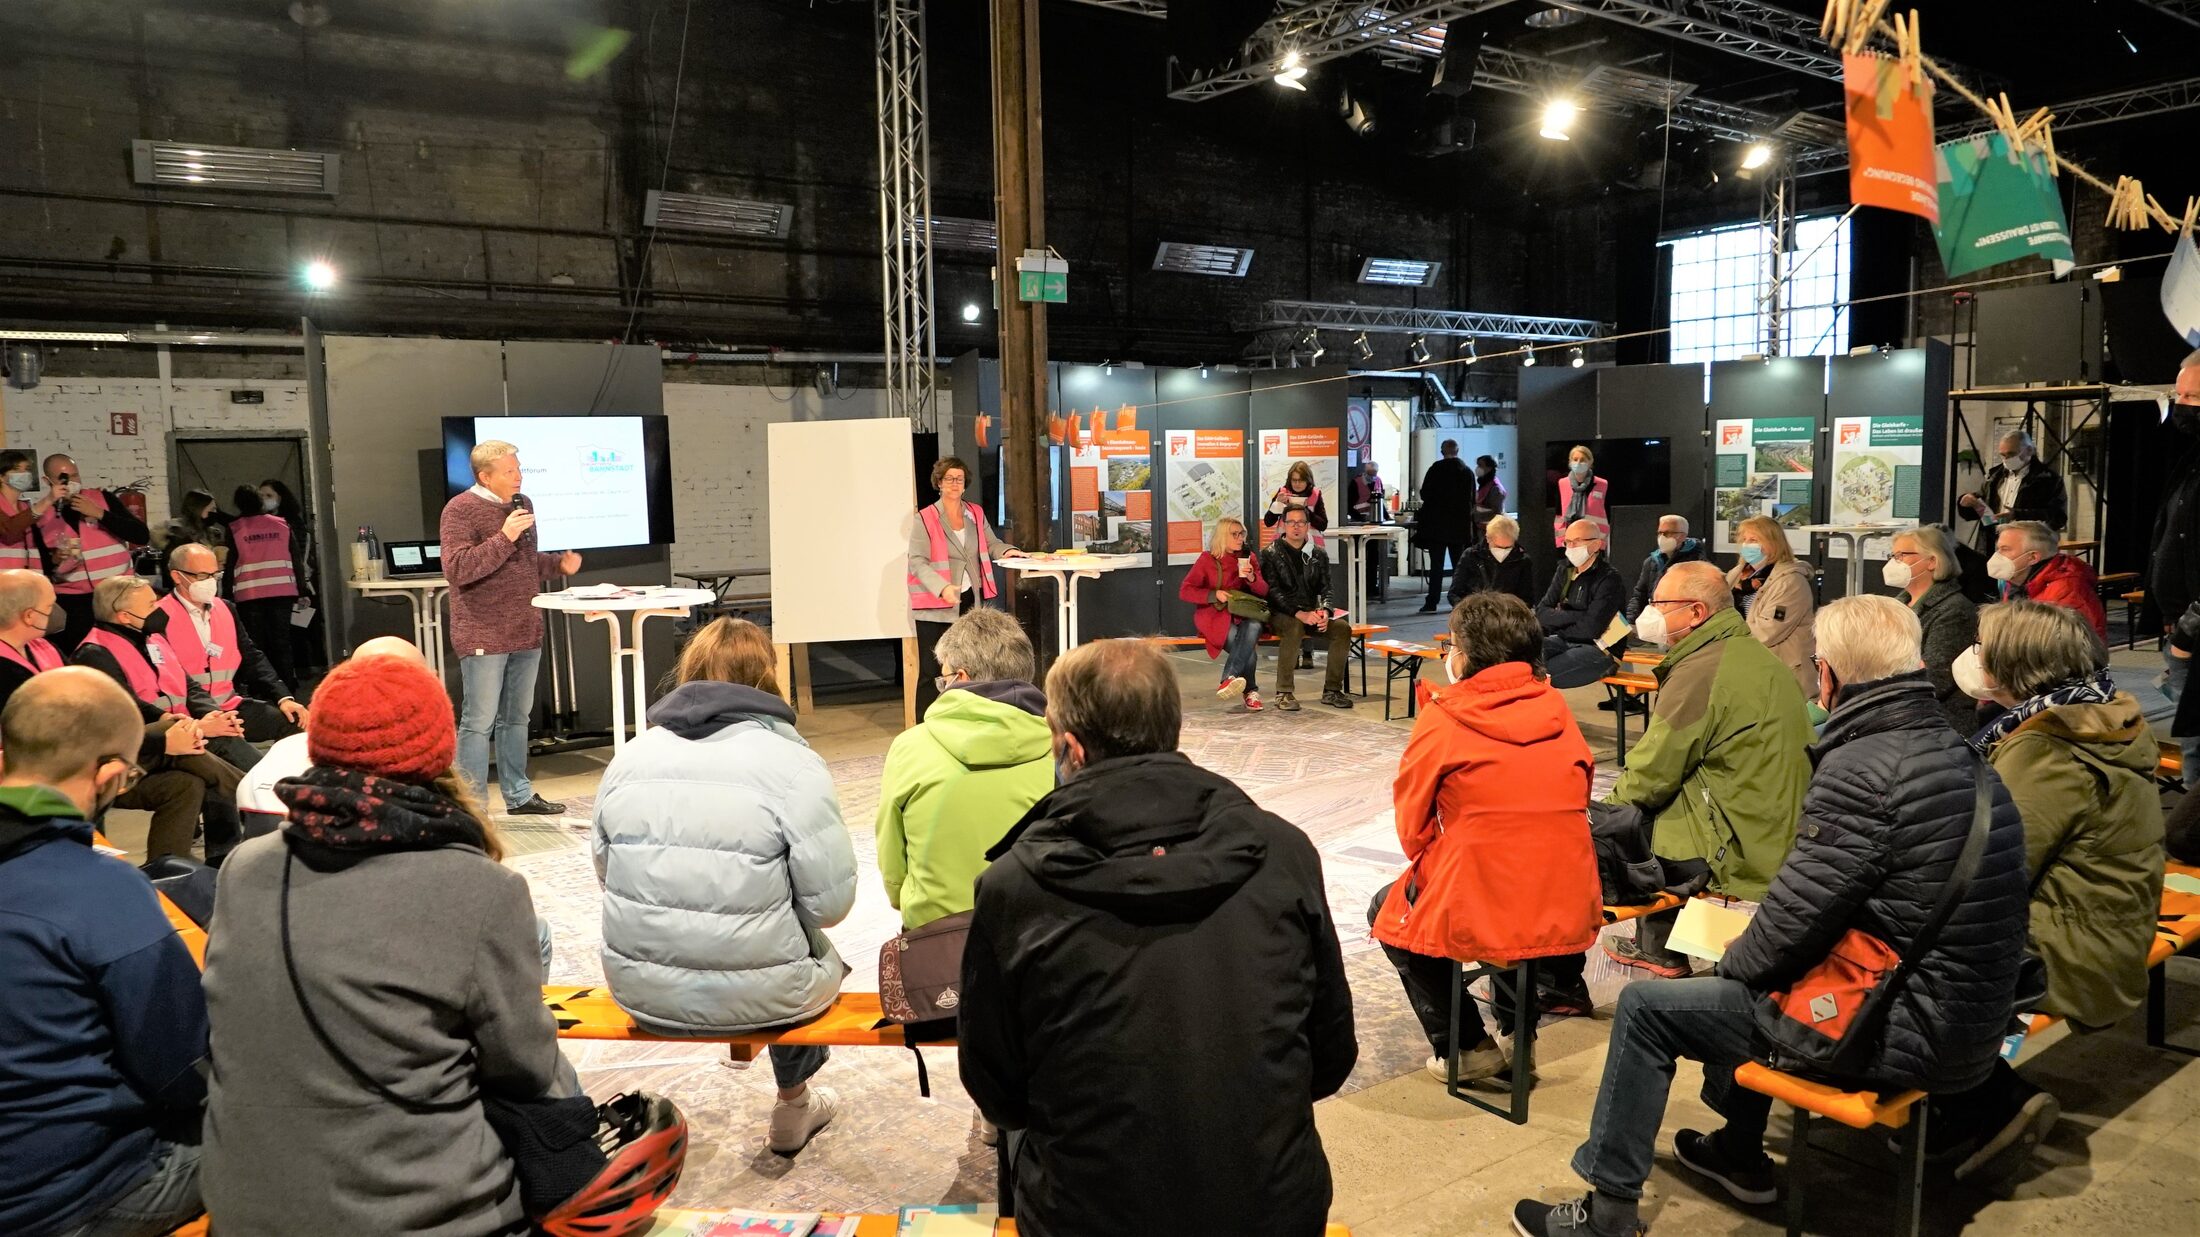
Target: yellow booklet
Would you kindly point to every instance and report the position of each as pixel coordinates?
(1706, 928)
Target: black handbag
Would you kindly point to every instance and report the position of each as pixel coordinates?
(551, 1139)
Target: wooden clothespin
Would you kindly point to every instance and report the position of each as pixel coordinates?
(1864, 24)
(1910, 49)
(2127, 205)
(2192, 215)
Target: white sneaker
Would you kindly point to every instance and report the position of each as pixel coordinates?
(1474, 1063)
(795, 1123)
(987, 1132)
(1231, 686)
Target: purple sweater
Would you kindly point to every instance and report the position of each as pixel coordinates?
(493, 578)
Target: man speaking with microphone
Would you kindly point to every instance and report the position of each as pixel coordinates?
(489, 557)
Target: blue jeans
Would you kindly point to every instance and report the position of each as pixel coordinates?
(159, 1203)
(1241, 652)
(1574, 665)
(1708, 1020)
(792, 1065)
(500, 695)
(2176, 671)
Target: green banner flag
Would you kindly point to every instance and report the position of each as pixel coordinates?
(1997, 206)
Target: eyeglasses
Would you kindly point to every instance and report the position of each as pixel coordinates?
(945, 681)
(196, 576)
(131, 776)
(1672, 601)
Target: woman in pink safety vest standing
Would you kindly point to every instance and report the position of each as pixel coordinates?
(263, 581)
(1581, 497)
(19, 512)
(951, 553)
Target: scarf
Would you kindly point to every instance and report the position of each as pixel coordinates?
(347, 810)
(1577, 508)
(2096, 688)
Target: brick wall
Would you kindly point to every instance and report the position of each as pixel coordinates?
(719, 494)
(73, 415)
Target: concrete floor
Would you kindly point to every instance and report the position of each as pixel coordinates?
(1407, 1160)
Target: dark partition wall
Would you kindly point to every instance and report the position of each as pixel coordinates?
(1558, 404)
(1912, 382)
(1665, 404)
(1299, 399)
(1125, 602)
(1187, 401)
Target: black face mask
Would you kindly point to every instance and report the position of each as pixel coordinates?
(2185, 419)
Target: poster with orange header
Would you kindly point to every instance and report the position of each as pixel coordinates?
(1206, 479)
(1279, 449)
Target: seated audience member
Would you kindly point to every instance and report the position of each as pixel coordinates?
(2079, 760)
(728, 936)
(175, 798)
(1890, 805)
(116, 648)
(104, 1026)
(1773, 590)
(1229, 568)
(1674, 546)
(1583, 598)
(217, 656)
(1297, 573)
(257, 803)
(1492, 804)
(381, 908)
(119, 647)
(2030, 566)
(1721, 768)
(1494, 565)
(1921, 566)
(1153, 995)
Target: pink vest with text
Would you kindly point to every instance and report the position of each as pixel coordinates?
(217, 673)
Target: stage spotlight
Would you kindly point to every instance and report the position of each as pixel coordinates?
(1575, 359)
(1417, 348)
(1558, 120)
(320, 276)
(1314, 349)
(1362, 349)
(1758, 155)
(1206, 371)
(1291, 72)
(1527, 359)
(970, 311)
(1466, 350)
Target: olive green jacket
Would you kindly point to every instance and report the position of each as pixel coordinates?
(2083, 776)
(1722, 767)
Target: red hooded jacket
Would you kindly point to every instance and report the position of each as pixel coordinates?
(2065, 580)
(1207, 575)
(1493, 811)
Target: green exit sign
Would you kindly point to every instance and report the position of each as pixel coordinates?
(1042, 277)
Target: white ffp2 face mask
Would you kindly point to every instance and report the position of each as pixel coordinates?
(1669, 546)
(202, 592)
(1578, 555)
(1650, 625)
(1970, 675)
(1895, 573)
(1501, 552)
(2001, 566)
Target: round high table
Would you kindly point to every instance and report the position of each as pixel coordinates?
(425, 596)
(1066, 572)
(643, 604)
(1354, 538)
(1855, 535)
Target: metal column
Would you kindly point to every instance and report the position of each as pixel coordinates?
(1776, 216)
(905, 212)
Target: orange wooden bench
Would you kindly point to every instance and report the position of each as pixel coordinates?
(867, 1225)
(1623, 686)
(2170, 770)
(1360, 633)
(1402, 659)
(853, 1020)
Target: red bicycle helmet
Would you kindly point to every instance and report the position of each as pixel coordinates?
(644, 1139)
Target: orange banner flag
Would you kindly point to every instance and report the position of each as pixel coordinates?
(1890, 137)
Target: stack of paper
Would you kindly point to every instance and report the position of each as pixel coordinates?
(1706, 928)
(948, 1220)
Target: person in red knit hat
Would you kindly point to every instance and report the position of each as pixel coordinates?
(372, 969)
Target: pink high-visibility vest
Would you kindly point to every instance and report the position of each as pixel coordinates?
(42, 656)
(262, 549)
(99, 554)
(217, 673)
(919, 597)
(17, 553)
(163, 686)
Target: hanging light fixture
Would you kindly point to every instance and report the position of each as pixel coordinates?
(1558, 119)
(1364, 350)
(1291, 71)
(1575, 359)
(1417, 348)
(1314, 350)
(1528, 361)
(1466, 349)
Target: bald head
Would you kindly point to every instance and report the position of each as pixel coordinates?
(390, 646)
(62, 724)
(57, 467)
(1584, 535)
(1701, 582)
(26, 599)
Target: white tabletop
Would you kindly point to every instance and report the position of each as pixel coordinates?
(652, 599)
(1362, 530)
(1853, 530)
(1079, 562)
(404, 582)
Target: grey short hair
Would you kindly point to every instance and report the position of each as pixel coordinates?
(1119, 697)
(1677, 518)
(1868, 638)
(2190, 361)
(2036, 535)
(487, 453)
(19, 592)
(2029, 648)
(1934, 540)
(1502, 526)
(2020, 436)
(986, 644)
(110, 595)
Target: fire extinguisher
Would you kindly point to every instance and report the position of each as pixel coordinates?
(133, 500)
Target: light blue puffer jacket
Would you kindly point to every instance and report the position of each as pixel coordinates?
(723, 857)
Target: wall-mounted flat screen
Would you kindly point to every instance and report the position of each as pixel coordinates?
(1639, 470)
(595, 482)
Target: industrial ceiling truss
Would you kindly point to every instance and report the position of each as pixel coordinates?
(905, 212)
(1454, 323)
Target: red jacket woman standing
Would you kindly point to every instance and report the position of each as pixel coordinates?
(1492, 803)
(1227, 567)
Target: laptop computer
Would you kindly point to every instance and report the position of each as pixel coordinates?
(412, 560)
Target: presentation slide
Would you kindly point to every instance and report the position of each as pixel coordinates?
(585, 476)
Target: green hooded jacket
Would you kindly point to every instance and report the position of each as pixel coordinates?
(952, 788)
(2083, 776)
(1723, 765)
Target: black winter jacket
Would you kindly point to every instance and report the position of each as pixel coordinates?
(1886, 814)
(1446, 514)
(1693, 550)
(1297, 581)
(1153, 993)
(1577, 607)
(1480, 572)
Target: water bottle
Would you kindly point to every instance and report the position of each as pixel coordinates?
(361, 561)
